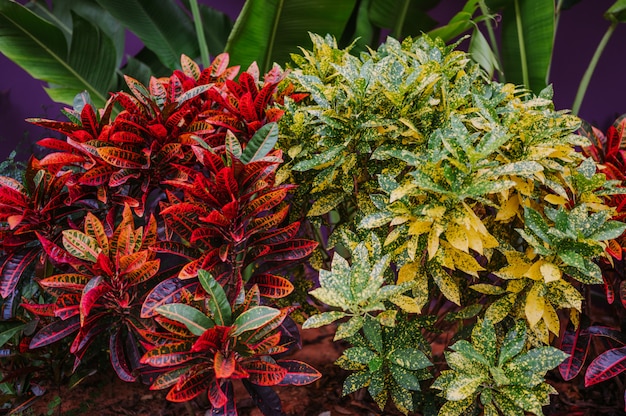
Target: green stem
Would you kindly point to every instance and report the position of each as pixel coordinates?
(522, 45)
(197, 20)
(492, 39)
(397, 30)
(584, 82)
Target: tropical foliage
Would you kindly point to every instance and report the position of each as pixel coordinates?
(472, 191)
(124, 223)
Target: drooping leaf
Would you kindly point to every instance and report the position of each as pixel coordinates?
(605, 366)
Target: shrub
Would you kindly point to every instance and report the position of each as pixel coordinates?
(457, 203)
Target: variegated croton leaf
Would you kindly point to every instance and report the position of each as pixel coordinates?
(504, 375)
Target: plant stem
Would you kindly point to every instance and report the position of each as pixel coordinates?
(584, 82)
(522, 45)
(197, 20)
(492, 39)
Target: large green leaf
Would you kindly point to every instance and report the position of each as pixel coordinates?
(267, 31)
(40, 48)
(403, 17)
(527, 42)
(161, 25)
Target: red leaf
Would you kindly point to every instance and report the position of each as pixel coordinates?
(293, 250)
(169, 355)
(224, 366)
(608, 290)
(216, 396)
(622, 292)
(12, 269)
(576, 344)
(90, 298)
(97, 176)
(54, 332)
(63, 159)
(246, 107)
(298, 373)
(229, 408)
(263, 373)
(45, 309)
(265, 202)
(191, 384)
(272, 286)
(605, 366)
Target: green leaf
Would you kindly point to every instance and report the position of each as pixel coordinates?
(162, 26)
(535, 222)
(347, 329)
(527, 41)
(81, 245)
(446, 284)
(523, 398)
(484, 340)
(193, 319)
(254, 318)
(322, 319)
(7, 334)
(373, 333)
(355, 382)
(375, 220)
(409, 358)
(464, 386)
(267, 31)
(261, 143)
(617, 12)
(469, 351)
(513, 343)
(539, 360)
(459, 24)
(482, 53)
(404, 378)
(217, 301)
(325, 203)
(40, 48)
(361, 355)
(608, 231)
(455, 408)
(404, 17)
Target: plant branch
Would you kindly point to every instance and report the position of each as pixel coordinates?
(584, 82)
(197, 20)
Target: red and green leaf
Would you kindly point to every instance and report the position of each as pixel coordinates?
(606, 366)
(264, 373)
(169, 355)
(272, 286)
(298, 373)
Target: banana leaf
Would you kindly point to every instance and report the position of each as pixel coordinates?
(268, 31)
(40, 48)
(403, 17)
(162, 26)
(526, 58)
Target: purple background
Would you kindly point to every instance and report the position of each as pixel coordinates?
(579, 32)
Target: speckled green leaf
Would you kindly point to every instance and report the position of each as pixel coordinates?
(318, 160)
(423, 181)
(506, 406)
(609, 231)
(322, 319)
(464, 386)
(522, 398)
(486, 187)
(355, 381)
(329, 296)
(361, 355)
(409, 358)
(373, 333)
(377, 388)
(387, 318)
(402, 397)
(535, 222)
(404, 377)
(375, 220)
(499, 309)
(590, 273)
(455, 408)
(513, 342)
(484, 340)
(487, 289)
(524, 168)
(360, 273)
(468, 350)
(325, 203)
(446, 284)
(347, 329)
(539, 360)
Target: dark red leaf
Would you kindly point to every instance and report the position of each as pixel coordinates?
(605, 366)
(191, 384)
(576, 344)
(272, 286)
(118, 357)
(216, 396)
(298, 373)
(55, 332)
(12, 269)
(168, 291)
(263, 373)
(229, 408)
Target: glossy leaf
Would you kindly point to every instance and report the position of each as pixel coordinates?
(575, 343)
(298, 373)
(254, 318)
(217, 301)
(605, 366)
(261, 143)
(193, 319)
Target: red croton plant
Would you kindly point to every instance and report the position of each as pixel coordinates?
(162, 230)
(600, 340)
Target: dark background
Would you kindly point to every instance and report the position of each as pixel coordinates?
(579, 32)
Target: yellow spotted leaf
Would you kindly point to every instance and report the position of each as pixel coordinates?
(550, 272)
(535, 304)
(475, 243)
(518, 266)
(551, 319)
(406, 303)
(509, 209)
(464, 261)
(446, 284)
(534, 271)
(499, 309)
(555, 199)
(487, 289)
(433, 239)
(457, 237)
(420, 227)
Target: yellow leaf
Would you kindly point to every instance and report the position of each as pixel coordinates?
(408, 272)
(550, 272)
(518, 266)
(433, 239)
(401, 191)
(535, 304)
(457, 237)
(446, 284)
(524, 187)
(435, 212)
(555, 199)
(392, 236)
(401, 219)
(509, 209)
(574, 317)
(551, 318)
(534, 271)
(406, 303)
(516, 286)
(463, 261)
(411, 247)
(539, 334)
(420, 290)
(499, 309)
(475, 243)
(420, 227)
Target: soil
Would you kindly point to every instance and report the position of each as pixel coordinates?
(106, 395)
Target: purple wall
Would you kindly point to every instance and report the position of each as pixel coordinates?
(580, 30)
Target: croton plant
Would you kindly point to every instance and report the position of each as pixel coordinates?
(157, 225)
(451, 227)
